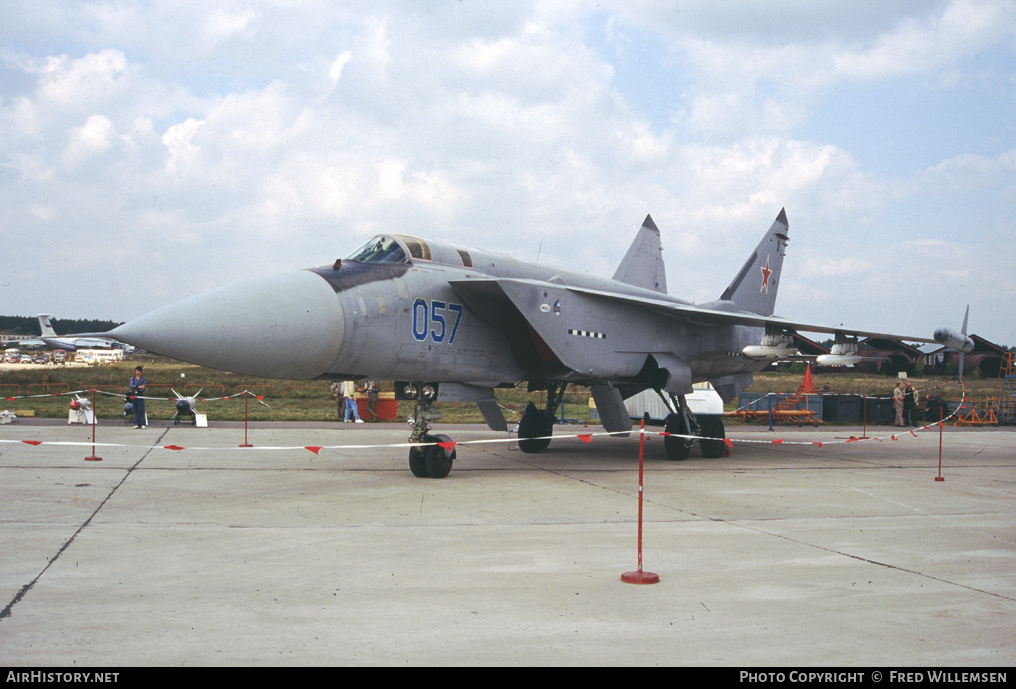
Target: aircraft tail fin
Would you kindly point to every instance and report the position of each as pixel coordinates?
(643, 266)
(754, 289)
(46, 326)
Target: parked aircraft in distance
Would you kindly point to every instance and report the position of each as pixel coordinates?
(67, 342)
(453, 324)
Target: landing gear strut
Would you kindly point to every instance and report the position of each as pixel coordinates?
(682, 422)
(427, 461)
(537, 425)
(679, 424)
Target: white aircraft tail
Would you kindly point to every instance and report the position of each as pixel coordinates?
(46, 326)
(754, 289)
(643, 266)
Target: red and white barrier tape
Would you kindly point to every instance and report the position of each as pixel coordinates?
(584, 437)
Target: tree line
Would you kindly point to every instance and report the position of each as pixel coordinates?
(29, 325)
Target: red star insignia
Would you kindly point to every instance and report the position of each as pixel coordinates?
(765, 276)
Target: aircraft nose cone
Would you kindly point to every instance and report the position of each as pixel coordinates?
(288, 325)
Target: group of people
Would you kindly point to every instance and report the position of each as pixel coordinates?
(905, 402)
(345, 393)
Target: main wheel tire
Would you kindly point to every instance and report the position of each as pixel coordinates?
(439, 460)
(712, 431)
(418, 462)
(677, 448)
(535, 429)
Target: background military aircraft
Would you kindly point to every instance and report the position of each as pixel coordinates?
(453, 324)
(69, 343)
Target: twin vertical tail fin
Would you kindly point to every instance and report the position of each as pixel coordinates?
(643, 266)
(754, 289)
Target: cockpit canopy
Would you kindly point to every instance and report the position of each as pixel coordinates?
(401, 248)
(380, 249)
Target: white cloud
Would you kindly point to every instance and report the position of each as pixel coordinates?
(178, 139)
(921, 45)
(222, 24)
(278, 135)
(93, 136)
(335, 70)
(967, 172)
(67, 84)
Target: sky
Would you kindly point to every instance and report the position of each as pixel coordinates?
(154, 150)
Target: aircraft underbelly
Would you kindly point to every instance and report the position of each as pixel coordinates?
(718, 350)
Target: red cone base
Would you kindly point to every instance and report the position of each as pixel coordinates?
(640, 577)
(93, 458)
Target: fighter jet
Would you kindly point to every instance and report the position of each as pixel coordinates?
(453, 324)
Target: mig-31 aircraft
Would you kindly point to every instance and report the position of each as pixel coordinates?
(451, 324)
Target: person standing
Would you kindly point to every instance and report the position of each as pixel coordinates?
(137, 387)
(349, 392)
(372, 394)
(898, 402)
(336, 389)
(909, 405)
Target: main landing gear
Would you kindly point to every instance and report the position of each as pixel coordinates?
(685, 427)
(427, 460)
(537, 425)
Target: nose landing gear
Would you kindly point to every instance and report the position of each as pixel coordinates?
(434, 455)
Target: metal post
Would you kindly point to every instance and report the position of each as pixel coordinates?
(940, 425)
(640, 577)
(93, 457)
(245, 443)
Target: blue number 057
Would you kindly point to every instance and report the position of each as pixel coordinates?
(437, 320)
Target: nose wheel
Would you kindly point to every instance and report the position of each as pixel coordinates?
(427, 459)
(431, 461)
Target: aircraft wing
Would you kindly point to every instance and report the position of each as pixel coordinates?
(691, 313)
(83, 341)
(485, 292)
(29, 343)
